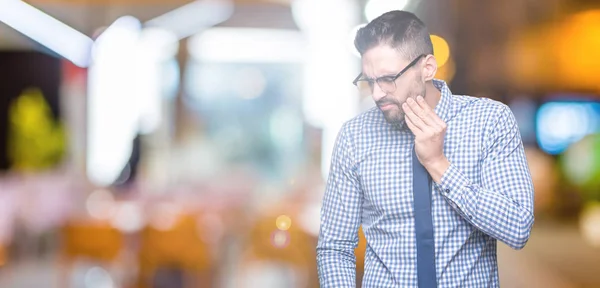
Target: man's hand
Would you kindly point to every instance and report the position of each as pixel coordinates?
(429, 132)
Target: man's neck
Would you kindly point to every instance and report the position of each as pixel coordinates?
(433, 95)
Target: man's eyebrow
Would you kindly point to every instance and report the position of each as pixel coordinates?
(365, 77)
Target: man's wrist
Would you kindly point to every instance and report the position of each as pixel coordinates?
(438, 168)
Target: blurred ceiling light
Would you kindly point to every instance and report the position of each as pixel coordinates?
(328, 98)
(247, 45)
(112, 103)
(156, 46)
(374, 8)
(158, 43)
(46, 30)
(187, 20)
(125, 30)
(441, 49)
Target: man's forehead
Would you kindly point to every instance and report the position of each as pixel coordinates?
(382, 60)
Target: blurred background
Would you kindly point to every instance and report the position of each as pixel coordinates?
(148, 143)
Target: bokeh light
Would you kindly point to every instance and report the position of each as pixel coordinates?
(280, 239)
(441, 49)
(283, 222)
(562, 123)
(576, 45)
(128, 217)
(165, 216)
(100, 204)
(581, 166)
(447, 71)
(589, 223)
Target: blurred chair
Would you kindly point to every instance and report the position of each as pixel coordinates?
(276, 243)
(88, 240)
(177, 253)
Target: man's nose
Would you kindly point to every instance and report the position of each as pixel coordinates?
(378, 93)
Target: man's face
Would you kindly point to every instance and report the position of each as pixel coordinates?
(383, 61)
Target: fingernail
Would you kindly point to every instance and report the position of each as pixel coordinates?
(410, 100)
(420, 98)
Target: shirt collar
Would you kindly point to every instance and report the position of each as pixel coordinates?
(444, 106)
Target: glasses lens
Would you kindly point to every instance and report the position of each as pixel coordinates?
(365, 88)
(387, 85)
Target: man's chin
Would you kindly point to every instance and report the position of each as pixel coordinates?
(393, 118)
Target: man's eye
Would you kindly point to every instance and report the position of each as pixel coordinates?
(386, 79)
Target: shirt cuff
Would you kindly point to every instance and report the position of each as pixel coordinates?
(453, 186)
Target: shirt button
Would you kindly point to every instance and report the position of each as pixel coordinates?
(447, 190)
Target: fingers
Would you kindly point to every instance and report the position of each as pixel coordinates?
(427, 111)
(414, 119)
(422, 116)
(420, 109)
(411, 125)
(431, 113)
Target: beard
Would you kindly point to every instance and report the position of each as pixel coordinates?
(395, 116)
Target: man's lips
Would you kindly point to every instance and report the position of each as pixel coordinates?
(386, 106)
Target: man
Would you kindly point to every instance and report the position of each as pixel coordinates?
(434, 179)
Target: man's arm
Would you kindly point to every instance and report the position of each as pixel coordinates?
(340, 219)
(502, 206)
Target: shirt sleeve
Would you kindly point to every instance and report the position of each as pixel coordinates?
(502, 205)
(340, 219)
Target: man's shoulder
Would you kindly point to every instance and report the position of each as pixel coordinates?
(483, 106)
(358, 123)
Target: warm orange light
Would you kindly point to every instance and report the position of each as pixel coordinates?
(576, 46)
(446, 72)
(441, 50)
(283, 222)
(557, 56)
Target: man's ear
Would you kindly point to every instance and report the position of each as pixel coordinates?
(429, 68)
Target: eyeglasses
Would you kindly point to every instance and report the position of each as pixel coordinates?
(386, 83)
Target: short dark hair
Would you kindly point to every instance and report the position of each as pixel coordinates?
(402, 30)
